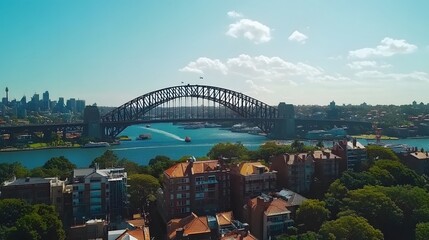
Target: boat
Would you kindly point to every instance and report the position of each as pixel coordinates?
(193, 126)
(212, 125)
(116, 142)
(334, 133)
(96, 144)
(124, 138)
(148, 126)
(187, 139)
(144, 136)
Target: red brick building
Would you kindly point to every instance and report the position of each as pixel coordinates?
(202, 187)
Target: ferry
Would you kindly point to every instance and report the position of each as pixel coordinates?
(96, 144)
(144, 136)
(187, 139)
(333, 133)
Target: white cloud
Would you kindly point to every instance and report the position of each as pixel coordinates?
(234, 14)
(338, 57)
(257, 88)
(260, 69)
(377, 75)
(250, 29)
(203, 63)
(388, 47)
(367, 64)
(298, 37)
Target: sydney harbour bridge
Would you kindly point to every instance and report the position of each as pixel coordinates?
(188, 103)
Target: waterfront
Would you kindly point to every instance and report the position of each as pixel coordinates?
(166, 139)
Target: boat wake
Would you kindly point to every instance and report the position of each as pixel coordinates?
(165, 133)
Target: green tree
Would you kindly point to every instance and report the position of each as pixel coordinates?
(297, 146)
(422, 231)
(376, 152)
(142, 189)
(59, 166)
(413, 201)
(159, 164)
(8, 170)
(382, 176)
(19, 220)
(271, 148)
(350, 228)
(402, 174)
(303, 236)
(129, 166)
(54, 226)
(59, 163)
(30, 226)
(354, 180)
(312, 214)
(334, 197)
(375, 206)
(228, 151)
(11, 210)
(107, 160)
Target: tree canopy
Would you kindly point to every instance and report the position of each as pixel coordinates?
(350, 228)
(312, 214)
(142, 189)
(107, 160)
(228, 151)
(19, 220)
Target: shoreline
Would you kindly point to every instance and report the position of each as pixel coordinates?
(2, 150)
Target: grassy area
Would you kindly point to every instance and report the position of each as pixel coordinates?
(46, 145)
(373, 137)
(38, 145)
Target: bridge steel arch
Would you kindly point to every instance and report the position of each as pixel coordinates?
(261, 114)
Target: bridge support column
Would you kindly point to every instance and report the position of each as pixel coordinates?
(284, 126)
(91, 118)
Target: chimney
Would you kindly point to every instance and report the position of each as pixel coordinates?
(179, 233)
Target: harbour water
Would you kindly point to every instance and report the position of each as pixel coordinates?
(166, 139)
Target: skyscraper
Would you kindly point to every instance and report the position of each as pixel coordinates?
(45, 101)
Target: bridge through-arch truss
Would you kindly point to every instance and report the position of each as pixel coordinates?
(261, 114)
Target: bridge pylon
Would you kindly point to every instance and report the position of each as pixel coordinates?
(92, 120)
(284, 125)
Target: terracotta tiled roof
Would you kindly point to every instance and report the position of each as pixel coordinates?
(238, 236)
(318, 155)
(136, 222)
(247, 168)
(178, 170)
(191, 224)
(420, 155)
(224, 218)
(277, 206)
(186, 168)
(294, 158)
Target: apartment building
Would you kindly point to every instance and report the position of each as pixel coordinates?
(202, 187)
(248, 180)
(99, 193)
(294, 171)
(352, 152)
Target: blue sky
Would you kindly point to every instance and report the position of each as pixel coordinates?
(300, 52)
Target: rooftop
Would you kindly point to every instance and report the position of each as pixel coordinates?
(420, 155)
(249, 168)
(191, 225)
(189, 168)
(27, 181)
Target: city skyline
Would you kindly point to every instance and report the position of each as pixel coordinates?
(296, 52)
